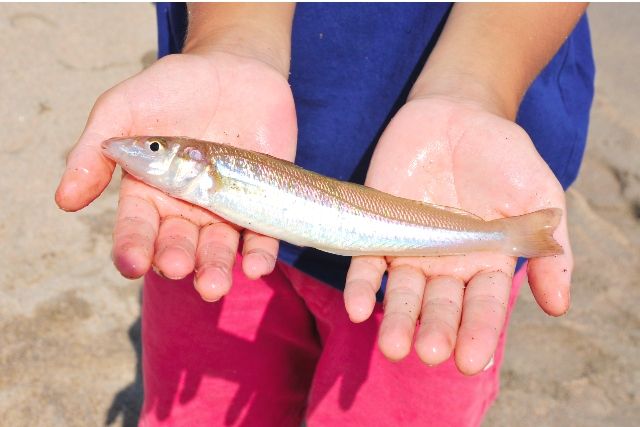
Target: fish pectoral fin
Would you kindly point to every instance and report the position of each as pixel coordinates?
(456, 211)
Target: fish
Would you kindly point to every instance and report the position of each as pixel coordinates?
(279, 199)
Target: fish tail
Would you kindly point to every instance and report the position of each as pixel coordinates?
(531, 235)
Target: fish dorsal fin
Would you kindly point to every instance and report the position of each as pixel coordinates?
(456, 211)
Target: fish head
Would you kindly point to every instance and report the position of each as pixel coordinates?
(167, 163)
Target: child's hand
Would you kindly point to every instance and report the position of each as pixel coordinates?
(457, 154)
(215, 96)
(450, 145)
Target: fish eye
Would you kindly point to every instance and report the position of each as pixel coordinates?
(154, 145)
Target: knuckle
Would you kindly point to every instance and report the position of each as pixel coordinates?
(442, 307)
(402, 292)
(399, 316)
(218, 265)
(446, 327)
(488, 303)
(359, 283)
(265, 254)
(215, 252)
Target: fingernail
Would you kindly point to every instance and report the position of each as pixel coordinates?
(157, 271)
(489, 365)
(563, 299)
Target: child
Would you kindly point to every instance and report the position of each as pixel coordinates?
(418, 100)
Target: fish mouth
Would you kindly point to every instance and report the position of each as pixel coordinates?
(111, 148)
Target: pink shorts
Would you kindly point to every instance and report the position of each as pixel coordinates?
(280, 350)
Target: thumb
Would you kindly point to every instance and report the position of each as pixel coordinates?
(88, 172)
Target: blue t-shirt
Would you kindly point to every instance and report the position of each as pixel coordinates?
(352, 66)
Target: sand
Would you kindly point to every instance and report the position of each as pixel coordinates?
(69, 324)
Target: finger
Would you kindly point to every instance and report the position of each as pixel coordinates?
(363, 281)
(259, 254)
(439, 319)
(88, 172)
(483, 314)
(216, 254)
(550, 277)
(176, 247)
(134, 235)
(403, 299)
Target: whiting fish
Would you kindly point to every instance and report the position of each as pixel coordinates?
(279, 199)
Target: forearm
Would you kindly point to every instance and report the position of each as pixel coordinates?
(490, 53)
(261, 31)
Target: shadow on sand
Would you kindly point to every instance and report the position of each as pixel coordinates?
(128, 401)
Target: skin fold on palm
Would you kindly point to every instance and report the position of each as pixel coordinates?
(456, 154)
(211, 97)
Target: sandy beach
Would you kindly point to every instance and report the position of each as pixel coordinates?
(70, 324)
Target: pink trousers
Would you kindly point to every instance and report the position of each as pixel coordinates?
(280, 350)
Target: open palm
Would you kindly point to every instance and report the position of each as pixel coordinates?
(219, 97)
(455, 154)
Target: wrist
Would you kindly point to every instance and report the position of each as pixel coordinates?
(261, 32)
(489, 54)
(242, 43)
(467, 88)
